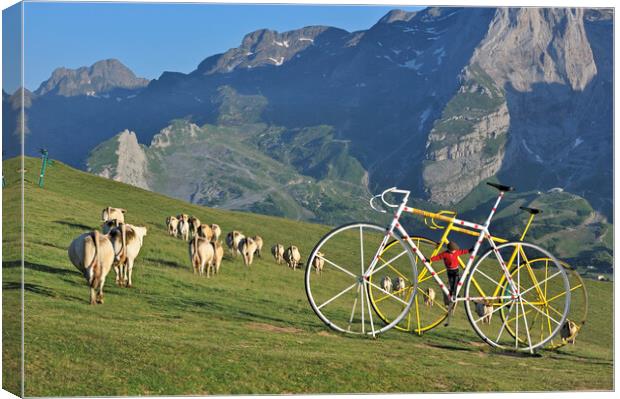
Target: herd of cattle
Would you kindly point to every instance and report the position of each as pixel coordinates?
(118, 244)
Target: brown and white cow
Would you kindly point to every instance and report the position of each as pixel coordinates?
(194, 224)
(232, 241)
(127, 241)
(205, 231)
(217, 232)
(218, 255)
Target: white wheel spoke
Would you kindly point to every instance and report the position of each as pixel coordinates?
(372, 324)
(488, 278)
(540, 311)
(337, 295)
(517, 326)
(340, 268)
(353, 309)
(361, 251)
(540, 282)
(494, 310)
(527, 330)
(501, 330)
(362, 307)
(388, 263)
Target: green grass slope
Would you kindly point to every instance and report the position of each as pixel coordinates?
(245, 331)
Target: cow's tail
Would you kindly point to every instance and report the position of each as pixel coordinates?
(195, 256)
(97, 267)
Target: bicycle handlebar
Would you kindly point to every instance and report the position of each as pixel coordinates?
(373, 206)
(389, 190)
(385, 202)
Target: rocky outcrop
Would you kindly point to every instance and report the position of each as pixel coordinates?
(525, 46)
(99, 78)
(267, 48)
(467, 144)
(525, 50)
(129, 163)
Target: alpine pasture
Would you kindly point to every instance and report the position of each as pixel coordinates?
(247, 330)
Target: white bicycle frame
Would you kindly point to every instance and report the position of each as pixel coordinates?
(484, 233)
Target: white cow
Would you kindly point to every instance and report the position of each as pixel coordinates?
(109, 213)
(93, 255)
(173, 224)
(386, 283)
(201, 254)
(248, 248)
(318, 262)
(259, 245)
(278, 253)
(292, 257)
(485, 311)
(183, 226)
(429, 299)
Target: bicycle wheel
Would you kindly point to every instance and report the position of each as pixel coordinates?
(529, 314)
(428, 309)
(339, 294)
(578, 312)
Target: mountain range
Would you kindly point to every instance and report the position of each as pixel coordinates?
(307, 123)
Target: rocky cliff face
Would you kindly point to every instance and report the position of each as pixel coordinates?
(466, 145)
(529, 46)
(528, 50)
(99, 78)
(122, 159)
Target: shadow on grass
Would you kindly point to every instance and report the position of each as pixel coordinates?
(165, 263)
(453, 347)
(48, 269)
(34, 288)
(563, 356)
(510, 353)
(75, 225)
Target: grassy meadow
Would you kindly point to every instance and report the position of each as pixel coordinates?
(246, 331)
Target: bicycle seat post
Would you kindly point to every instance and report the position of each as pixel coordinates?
(502, 189)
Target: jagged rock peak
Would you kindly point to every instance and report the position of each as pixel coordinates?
(397, 15)
(525, 46)
(266, 47)
(101, 77)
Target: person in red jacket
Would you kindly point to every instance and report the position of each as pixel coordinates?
(451, 260)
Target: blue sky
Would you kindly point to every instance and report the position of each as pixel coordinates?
(152, 38)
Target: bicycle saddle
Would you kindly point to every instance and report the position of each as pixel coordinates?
(501, 187)
(532, 211)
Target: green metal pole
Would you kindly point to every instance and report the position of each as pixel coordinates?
(43, 166)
